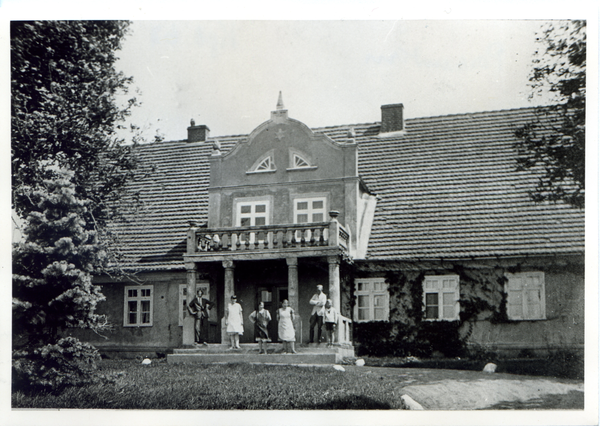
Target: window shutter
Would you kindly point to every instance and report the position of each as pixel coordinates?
(525, 296)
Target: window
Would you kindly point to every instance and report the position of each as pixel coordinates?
(264, 164)
(308, 210)
(372, 300)
(252, 213)
(138, 306)
(525, 296)
(440, 297)
(299, 161)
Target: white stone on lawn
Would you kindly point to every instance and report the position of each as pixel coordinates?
(339, 368)
(410, 404)
(146, 361)
(360, 362)
(490, 368)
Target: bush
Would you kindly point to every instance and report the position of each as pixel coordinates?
(69, 362)
(401, 340)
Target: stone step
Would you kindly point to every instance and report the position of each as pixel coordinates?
(250, 357)
(250, 348)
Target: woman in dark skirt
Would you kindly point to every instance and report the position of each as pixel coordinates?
(261, 318)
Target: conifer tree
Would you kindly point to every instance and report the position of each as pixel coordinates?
(69, 169)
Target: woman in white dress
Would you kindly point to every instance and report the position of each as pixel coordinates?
(287, 334)
(235, 322)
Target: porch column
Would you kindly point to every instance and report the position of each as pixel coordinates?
(292, 263)
(188, 320)
(334, 291)
(229, 290)
(334, 281)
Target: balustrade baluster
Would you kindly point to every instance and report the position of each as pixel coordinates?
(312, 236)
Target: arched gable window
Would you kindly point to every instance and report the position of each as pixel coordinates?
(264, 164)
(299, 161)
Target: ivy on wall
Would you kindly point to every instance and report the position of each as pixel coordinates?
(482, 297)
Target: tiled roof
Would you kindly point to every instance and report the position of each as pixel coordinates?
(447, 188)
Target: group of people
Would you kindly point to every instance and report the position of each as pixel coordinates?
(323, 312)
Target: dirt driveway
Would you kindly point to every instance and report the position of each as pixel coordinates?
(440, 389)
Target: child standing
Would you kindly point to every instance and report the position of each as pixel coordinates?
(235, 322)
(261, 318)
(287, 334)
(330, 317)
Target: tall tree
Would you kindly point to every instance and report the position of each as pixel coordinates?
(555, 142)
(69, 169)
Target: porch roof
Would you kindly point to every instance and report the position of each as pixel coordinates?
(447, 187)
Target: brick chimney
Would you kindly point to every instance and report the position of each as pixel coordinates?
(197, 133)
(392, 118)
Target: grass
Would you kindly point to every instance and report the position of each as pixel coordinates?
(557, 367)
(215, 387)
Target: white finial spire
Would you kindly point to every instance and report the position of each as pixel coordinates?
(280, 102)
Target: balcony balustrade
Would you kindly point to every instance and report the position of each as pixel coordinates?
(273, 238)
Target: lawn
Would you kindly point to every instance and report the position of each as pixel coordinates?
(213, 387)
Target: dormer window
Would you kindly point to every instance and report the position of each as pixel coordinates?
(299, 161)
(265, 164)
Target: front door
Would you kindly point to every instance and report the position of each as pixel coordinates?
(272, 298)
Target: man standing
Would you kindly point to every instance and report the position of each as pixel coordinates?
(198, 308)
(316, 317)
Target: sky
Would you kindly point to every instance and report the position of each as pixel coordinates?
(228, 74)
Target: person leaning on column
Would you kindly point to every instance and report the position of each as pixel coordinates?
(198, 309)
(316, 317)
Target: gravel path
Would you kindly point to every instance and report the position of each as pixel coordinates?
(473, 390)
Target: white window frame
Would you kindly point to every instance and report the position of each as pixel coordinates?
(253, 215)
(183, 312)
(518, 289)
(369, 290)
(296, 157)
(311, 210)
(139, 297)
(442, 285)
(269, 158)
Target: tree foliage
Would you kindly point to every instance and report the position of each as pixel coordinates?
(69, 168)
(555, 142)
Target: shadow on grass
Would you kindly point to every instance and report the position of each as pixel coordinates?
(351, 402)
(570, 401)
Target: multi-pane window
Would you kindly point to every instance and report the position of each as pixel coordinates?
(138, 306)
(525, 296)
(372, 300)
(441, 297)
(308, 210)
(252, 213)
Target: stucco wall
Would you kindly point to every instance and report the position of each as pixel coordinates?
(165, 331)
(562, 328)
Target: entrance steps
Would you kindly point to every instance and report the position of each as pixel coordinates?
(217, 353)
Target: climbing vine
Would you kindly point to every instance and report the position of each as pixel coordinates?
(406, 333)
